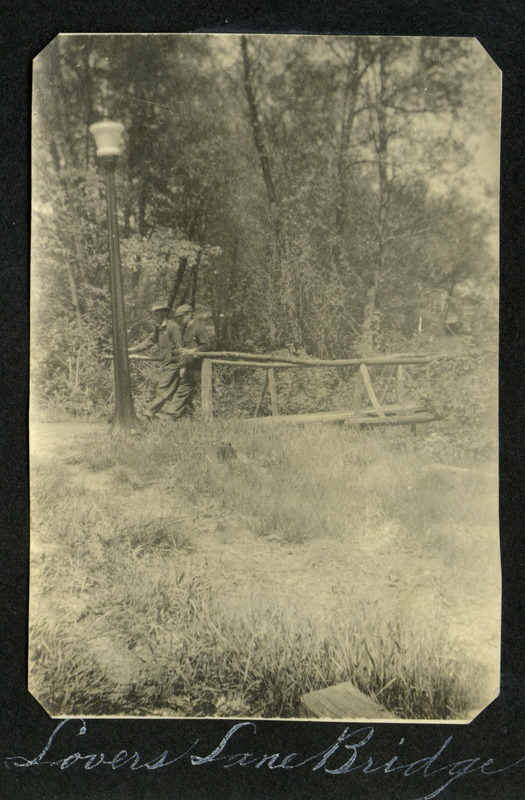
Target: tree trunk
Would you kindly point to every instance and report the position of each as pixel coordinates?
(183, 263)
(353, 79)
(74, 300)
(378, 259)
(190, 292)
(262, 151)
(355, 71)
(366, 346)
(55, 157)
(194, 285)
(142, 209)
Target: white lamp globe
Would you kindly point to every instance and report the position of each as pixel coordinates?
(107, 137)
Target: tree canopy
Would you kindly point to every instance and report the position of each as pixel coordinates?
(323, 194)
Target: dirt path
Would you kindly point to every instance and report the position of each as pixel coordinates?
(61, 440)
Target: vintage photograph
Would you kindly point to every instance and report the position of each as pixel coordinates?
(264, 377)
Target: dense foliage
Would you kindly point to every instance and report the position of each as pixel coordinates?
(314, 194)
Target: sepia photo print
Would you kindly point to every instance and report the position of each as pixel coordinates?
(264, 362)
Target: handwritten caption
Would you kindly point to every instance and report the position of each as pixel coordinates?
(347, 754)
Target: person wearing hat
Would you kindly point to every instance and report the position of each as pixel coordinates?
(195, 340)
(167, 335)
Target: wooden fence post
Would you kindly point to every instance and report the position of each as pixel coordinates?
(400, 383)
(358, 392)
(263, 392)
(370, 390)
(206, 388)
(273, 392)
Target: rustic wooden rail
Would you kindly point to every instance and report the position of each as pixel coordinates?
(379, 414)
(399, 413)
(263, 358)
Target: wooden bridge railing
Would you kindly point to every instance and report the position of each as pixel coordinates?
(400, 413)
(378, 414)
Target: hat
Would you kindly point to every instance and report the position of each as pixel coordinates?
(183, 309)
(159, 305)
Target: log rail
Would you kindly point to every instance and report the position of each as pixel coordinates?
(262, 359)
(379, 414)
(400, 413)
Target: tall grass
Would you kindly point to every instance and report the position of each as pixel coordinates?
(299, 485)
(130, 614)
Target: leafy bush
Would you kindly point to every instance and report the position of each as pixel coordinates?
(465, 392)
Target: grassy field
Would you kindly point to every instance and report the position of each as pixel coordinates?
(167, 581)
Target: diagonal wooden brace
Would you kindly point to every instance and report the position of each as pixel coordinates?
(370, 391)
(263, 393)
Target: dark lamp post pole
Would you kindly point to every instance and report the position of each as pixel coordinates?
(107, 137)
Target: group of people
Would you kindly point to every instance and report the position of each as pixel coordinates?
(178, 343)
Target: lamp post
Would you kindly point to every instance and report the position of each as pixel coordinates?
(107, 137)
